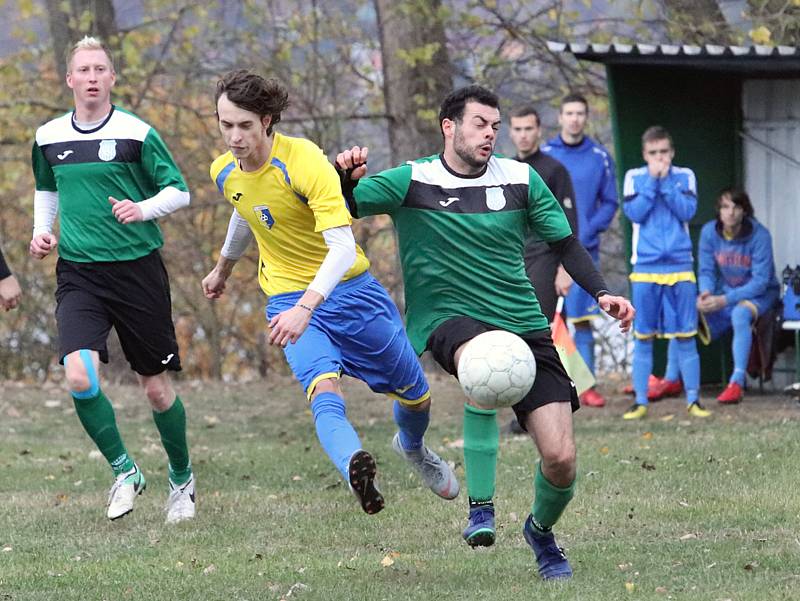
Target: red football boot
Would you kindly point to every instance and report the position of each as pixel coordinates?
(592, 398)
(651, 381)
(731, 395)
(663, 388)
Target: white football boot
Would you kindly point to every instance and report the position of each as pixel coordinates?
(433, 470)
(123, 492)
(181, 502)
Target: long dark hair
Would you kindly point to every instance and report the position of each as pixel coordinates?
(739, 198)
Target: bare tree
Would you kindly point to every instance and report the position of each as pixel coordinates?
(417, 73)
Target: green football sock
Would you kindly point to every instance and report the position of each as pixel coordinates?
(481, 439)
(171, 425)
(97, 417)
(550, 501)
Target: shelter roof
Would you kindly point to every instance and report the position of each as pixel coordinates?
(753, 60)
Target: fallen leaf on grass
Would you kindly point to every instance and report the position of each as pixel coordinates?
(751, 566)
(661, 590)
(648, 466)
(683, 504)
(52, 403)
(61, 499)
(458, 443)
(647, 436)
(604, 450)
(630, 586)
(666, 418)
(210, 569)
(387, 561)
(689, 536)
(297, 478)
(7, 549)
(210, 420)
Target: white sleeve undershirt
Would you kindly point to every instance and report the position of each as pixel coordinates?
(238, 237)
(45, 209)
(165, 202)
(341, 256)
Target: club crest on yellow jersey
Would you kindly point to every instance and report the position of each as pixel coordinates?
(264, 216)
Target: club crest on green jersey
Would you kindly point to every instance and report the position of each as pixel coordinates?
(495, 199)
(108, 150)
(264, 216)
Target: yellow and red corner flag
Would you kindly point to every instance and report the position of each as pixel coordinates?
(576, 367)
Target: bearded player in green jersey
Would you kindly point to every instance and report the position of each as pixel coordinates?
(109, 176)
(462, 219)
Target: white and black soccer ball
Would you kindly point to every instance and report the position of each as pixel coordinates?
(496, 369)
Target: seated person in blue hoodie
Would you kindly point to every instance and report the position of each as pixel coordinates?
(660, 199)
(737, 281)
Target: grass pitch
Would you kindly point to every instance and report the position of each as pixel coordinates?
(666, 508)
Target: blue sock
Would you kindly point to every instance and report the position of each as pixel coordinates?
(584, 341)
(689, 361)
(673, 372)
(412, 425)
(742, 319)
(642, 368)
(336, 435)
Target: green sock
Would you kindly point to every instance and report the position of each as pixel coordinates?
(550, 501)
(97, 417)
(481, 439)
(171, 425)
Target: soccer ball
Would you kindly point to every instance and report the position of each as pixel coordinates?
(496, 369)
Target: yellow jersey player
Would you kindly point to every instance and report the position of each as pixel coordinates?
(325, 309)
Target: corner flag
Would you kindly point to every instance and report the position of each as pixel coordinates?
(576, 367)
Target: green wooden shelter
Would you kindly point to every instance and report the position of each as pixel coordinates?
(734, 114)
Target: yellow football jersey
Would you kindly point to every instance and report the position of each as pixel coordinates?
(288, 202)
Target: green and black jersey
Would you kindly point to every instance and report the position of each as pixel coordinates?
(123, 157)
(462, 238)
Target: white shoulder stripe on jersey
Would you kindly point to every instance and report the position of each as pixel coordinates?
(500, 171)
(690, 175)
(627, 186)
(120, 126)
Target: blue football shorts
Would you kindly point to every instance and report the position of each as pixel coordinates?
(665, 311)
(358, 332)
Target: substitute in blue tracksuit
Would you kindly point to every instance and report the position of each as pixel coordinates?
(660, 199)
(591, 169)
(737, 282)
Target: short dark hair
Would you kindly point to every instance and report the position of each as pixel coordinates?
(655, 133)
(250, 91)
(452, 107)
(524, 111)
(739, 198)
(575, 97)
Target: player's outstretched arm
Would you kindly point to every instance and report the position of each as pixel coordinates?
(619, 308)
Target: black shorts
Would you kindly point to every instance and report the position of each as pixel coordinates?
(132, 296)
(552, 383)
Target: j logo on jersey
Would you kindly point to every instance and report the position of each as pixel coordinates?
(236, 197)
(495, 199)
(264, 216)
(108, 150)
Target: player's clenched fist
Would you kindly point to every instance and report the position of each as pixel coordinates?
(42, 245)
(356, 159)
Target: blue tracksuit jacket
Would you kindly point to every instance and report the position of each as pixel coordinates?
(660, 210)
(591, 169)
(742, 268)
